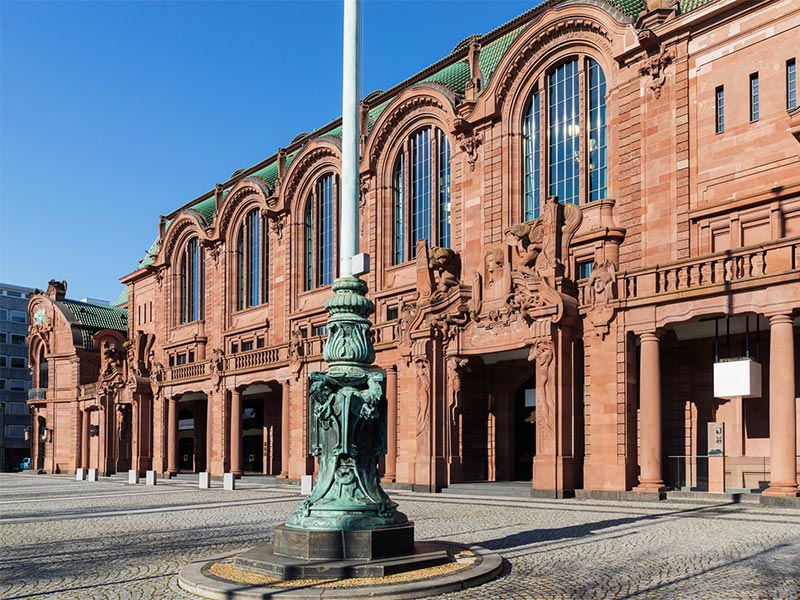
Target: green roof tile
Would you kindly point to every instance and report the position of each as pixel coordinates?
(207, 208)
(454, 76)
(98, 317)
(494, 51)
(148, 258)
(690, 5)
(122, 299)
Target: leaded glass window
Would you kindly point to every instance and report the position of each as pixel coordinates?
(423, 170)
(191, 282)
(320, 232)
(564, 136)
(252, 261)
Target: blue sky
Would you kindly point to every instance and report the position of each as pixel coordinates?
(112, 113)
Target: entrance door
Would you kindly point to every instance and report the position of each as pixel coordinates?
(253, 435)
(525, 430)
(186, 454)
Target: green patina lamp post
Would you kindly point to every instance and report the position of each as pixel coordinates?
(347, 416)
(347, 515)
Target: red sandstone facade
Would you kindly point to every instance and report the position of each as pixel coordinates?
(605, 308)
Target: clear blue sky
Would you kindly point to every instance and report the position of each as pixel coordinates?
(112, 113)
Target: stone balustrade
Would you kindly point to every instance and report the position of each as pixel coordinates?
(190, 371)
(88, 390)
(260, 357)
(704, 273)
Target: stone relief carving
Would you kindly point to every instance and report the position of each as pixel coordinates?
(655, 67)
(542, 354)
(469, 143)
(455, 366)
(423, 404)
(497, 274)
(156, 378)
(601, 292)
(296, 351)
(217, 367)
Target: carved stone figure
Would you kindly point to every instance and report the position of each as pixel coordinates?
(543, 354)
(217, 367)
(527, 240)
(445, 265)
(496, 274)
(600, 296)
(156, 377)
(423, 404)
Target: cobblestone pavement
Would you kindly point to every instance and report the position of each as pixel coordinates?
(66, 539)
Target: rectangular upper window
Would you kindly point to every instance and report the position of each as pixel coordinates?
(753, 97)
(181, 358)
(17, 362)
(3, 337)
(584, 269)
(2, 384)
(3, 361)
(791, 84)
(18, 385)
(3, 314)
(247, 346)
(719, 104)
(319, 330)
(18, 340)
(18, 316)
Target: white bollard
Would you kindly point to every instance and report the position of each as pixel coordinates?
(305, 485)
(92, 476)
(204, 480)
(229, 481)
(150, 478)
(79, 474)
(133, 476)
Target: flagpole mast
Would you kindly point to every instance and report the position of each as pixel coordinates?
(348, 230)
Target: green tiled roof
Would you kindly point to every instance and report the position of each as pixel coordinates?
(122, 299)
(494, 51)
(148, 258)
(690, 5)
(98, 317)
(454, 76)
(206, 208)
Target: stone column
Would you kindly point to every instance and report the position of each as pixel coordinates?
(391, 430)
(650, 415)
(782, 411)
(285, 429)
(209, 429)
(85, 440)
(172, 436)
(236, 432)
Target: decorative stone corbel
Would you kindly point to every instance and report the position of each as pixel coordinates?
(469, 142)
(655, 67)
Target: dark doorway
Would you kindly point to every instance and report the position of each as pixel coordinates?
(186, 427)
(524, 430)
(253, 435)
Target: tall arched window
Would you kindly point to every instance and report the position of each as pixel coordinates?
(252, 261)
(320, 217)
(421, 193)
(44, 370)
(191, 282)
(575, 134)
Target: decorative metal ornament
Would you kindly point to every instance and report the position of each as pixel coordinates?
(347, 423)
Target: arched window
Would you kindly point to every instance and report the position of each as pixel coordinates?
(252, 261)
(191, 282)
(320, 217)
(575, 134)
(44, 370)
(421, 193)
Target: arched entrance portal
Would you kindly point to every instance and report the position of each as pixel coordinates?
(498, 439)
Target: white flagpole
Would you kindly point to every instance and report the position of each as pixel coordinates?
(348, 223)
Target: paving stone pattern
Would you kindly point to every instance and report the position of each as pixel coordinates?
(65, 539)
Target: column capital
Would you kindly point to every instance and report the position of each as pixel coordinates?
(780, 319)
(650, 336)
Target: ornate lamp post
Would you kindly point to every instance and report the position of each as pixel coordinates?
(347, 515)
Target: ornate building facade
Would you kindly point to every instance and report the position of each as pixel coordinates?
(572, 219)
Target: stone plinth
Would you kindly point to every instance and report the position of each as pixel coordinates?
(309, 544)
(264, 560)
